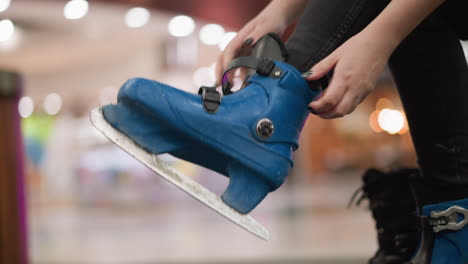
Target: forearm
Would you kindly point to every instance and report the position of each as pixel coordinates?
(287, 10)
(398, 19)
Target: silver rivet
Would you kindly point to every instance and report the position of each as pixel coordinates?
(265, 128)
(277, 73)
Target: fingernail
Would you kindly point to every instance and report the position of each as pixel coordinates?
(248, 41)
(306, 74)
(311, 110)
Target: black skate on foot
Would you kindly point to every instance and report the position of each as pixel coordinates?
(393, 209)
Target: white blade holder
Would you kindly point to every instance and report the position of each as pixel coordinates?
(182, 181)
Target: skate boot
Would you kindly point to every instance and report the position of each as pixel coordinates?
(393, 209)
(444, 238)
(249, 135)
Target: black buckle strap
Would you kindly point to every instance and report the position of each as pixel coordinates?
(265, 66)
(211, 98)
(262, 66)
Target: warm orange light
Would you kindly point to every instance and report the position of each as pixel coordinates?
(373, 122)
(405, 128)
(383, 103)
(391, 120)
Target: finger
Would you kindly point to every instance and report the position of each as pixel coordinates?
(331, 97)
(231, 51)
(255, 36)
(246, 47)
(224, 59)
(242, 43)
(324, 66)
(219, 70)
(242, 73)
(346, 106)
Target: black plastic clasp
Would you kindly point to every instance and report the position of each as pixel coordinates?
(211, 98)
(265, 66)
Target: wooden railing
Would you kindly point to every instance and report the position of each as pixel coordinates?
(13, 231)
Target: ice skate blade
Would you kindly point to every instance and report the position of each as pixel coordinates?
(175, 177)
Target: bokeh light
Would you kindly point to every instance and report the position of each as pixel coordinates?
(203, 76)
(7, 28)
(137, 17)
(181, 26)
(227, 37)
(26, 106)
(4, 5)
(383, 103)
(75, 9)
(374, 123)
(52, 104)
(211, 34)
(391, 120)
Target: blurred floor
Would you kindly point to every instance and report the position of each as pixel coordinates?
(308, 224)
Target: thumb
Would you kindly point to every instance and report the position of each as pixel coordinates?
(323, 67)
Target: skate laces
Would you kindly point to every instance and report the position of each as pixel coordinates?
(391, 210)
(362, 195)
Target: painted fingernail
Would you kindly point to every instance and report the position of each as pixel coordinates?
(306, 74)
(311, 110)
(248, 41)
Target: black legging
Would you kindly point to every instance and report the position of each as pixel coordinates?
(431, 74)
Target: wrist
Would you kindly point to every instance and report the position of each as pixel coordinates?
(285, 10)
(386, 41)
(398, 19)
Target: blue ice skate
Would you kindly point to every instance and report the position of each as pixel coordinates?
(445, 236)
(249, 135)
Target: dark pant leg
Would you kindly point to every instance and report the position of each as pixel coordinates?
(431, 73)
(325, 25)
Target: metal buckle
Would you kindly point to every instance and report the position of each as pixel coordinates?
(449, 219)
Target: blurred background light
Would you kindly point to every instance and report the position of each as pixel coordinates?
(227, 37)
(203, 76)
(391, 120)
(374, 123)
(383, 103)
(4, 4)
(7, 28)
(211, 34)
(75, 9)
(181, 26)
(213, 69)
(405, 128)
(26, 106)
(137, 17)
(52, 104)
